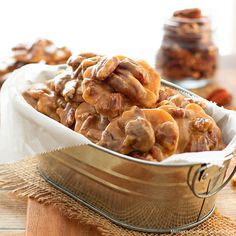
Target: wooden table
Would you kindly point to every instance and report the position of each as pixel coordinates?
(13, 212)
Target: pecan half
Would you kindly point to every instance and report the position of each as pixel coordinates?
(105, 67)
(220, 96)
(188, 13)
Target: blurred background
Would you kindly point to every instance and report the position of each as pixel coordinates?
(133, 28)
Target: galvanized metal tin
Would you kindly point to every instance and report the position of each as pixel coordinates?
(136, 194)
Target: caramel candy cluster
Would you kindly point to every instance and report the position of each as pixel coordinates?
(42, 50)
(187, 49)
(118, 103)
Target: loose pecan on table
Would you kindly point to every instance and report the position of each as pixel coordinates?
(220, 96)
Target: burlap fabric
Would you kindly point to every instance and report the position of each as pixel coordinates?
(23, 177)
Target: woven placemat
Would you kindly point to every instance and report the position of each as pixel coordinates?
(24, 180)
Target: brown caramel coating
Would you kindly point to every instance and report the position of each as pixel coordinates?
(136, 69)
(33, 94)
(129, 132)
(166, 133)
(105, 100)
(105, 67)
(75, 61)
(125, 79)
(113, 85)
(64, 84)
(89, 122)
(169, 96)
(67, 114)
(199, 131)
(153, 83)
(152, 133)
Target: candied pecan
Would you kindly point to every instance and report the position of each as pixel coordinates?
(167, 135)
(137, 70)
(58, 83)
(220, 96)
(122, 81)
(41, 50)
(89, 122)
(168, 96)
(72, 91)
(75, 61)
(33, 94)
(174, 111)
(122, 76)
(47, 104)
(42, 99)
(105, 67)
(139, 134)
(83, 111)
(199, 132)
(87, 63)
(156, 154)
(67, 114)
(188, 13)
(131, 131)
(106, 101)
(201, 124)
(165, 93)
(61, 102)
(153, 82)
(166, 131)
(151, 134)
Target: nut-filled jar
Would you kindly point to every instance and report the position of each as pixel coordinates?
(188, 55)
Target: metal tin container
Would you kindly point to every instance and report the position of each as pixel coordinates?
(137, 194)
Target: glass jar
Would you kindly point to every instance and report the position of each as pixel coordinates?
(188, 55)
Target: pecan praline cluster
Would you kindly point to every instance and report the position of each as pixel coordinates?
(119, 103)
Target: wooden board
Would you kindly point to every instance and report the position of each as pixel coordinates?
(47, 221)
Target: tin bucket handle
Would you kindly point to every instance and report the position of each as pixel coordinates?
(203, 173)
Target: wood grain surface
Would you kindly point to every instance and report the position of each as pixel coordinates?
(44, 221)
(47, 221)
